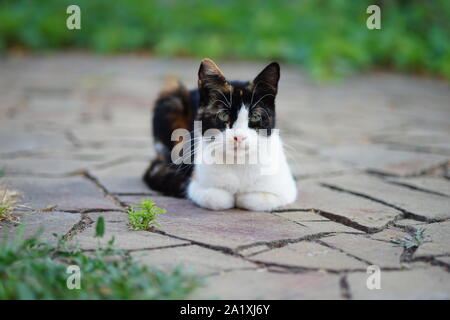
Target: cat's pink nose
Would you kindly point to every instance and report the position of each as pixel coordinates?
(239, 139)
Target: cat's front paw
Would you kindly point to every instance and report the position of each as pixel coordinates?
(211, 198)
(258, 201)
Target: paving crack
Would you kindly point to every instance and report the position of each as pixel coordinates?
(283, 268)
(89, 210)
(84, 222)
(72, 138)
(112, 163)
(412, 187)
(335, 218)
(423, 172)
(432, 261)
(148, 249)
(345, 288)
(134, 194)
(405, 213)
(283, 242)
(105, 191)
(413, 148)
(344, 252)
(225, 250)
(324, 175)
(235, 252)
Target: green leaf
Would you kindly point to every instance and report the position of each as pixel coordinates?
(100, 227)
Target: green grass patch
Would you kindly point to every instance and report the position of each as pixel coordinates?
(415, 240)
(143, 216)
(327, 38)
(33, 269)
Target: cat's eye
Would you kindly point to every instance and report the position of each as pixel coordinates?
(256, 117)
(223, 116)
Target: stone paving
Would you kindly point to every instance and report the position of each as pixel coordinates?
(371, 157)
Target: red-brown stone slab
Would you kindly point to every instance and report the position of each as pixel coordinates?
(230, 228)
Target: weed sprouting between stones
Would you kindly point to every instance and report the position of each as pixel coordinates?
(413, 241)
(143, 216)
(34, 269)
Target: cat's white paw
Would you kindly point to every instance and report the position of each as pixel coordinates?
(258, 201)
(211, 198)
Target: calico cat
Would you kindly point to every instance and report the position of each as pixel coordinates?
(246, 165)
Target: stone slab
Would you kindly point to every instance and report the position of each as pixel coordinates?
(389, 234)
(383, 159)
(445, 260)
(420, 284)
(383, 254)
(366, 214)
(230, 228)
(420, 203)
(98, 134)
(13, 141)
(311, 166)
(116, 225)
(439, 236)
(408, 223)
(433, 184)
(124, 177)
(256, 285)
(47, 167)
(71, 193)
(316, 223)
(309, 255)
(196, 259)
(41, 224)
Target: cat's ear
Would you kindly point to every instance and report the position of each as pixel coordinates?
(268, 78)
(209, 75)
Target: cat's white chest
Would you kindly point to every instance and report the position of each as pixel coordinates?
(232, 177)
(248, 186)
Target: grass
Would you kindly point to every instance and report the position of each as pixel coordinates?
(32, 269)
(143, 216)
(327, 38)
(8, 202)
(413, 241)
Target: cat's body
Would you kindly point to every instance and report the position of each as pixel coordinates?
(239, 159)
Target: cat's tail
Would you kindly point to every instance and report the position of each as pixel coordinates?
(173, 110)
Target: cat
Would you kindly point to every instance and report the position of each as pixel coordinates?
(237, 123)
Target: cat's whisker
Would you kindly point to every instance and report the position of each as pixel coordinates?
(253, 92)
(217, 114)
(291, 152)
(192, 139)
(226, 104)
(184, 158)
(256, 103)
(267, 114)
(215, 89)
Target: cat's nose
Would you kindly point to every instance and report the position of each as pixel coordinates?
(239, 139)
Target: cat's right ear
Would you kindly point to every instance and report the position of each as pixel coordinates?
(209, 75)
(268, 78)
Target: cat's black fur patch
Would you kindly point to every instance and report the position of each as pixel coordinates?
(177, 107)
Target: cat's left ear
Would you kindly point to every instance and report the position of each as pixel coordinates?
(269, 77)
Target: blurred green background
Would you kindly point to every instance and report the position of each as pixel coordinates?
(327, 38)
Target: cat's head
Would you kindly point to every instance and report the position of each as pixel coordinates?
(242, 111)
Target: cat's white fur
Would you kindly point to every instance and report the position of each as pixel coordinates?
(262, 186)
